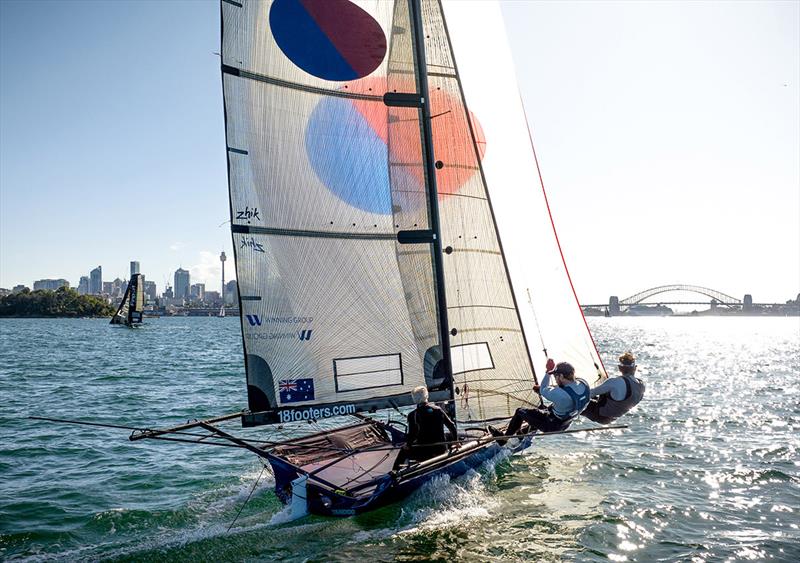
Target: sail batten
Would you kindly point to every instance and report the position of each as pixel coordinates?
(245, 229)
(241, 73)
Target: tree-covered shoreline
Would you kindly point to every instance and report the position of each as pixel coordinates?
(64, 302)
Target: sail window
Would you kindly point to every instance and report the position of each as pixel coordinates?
(471, 357)
(367, 372)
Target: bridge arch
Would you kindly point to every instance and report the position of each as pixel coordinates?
(712, 293)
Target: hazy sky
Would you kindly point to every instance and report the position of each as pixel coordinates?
(668, 135)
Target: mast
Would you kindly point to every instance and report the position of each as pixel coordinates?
(222, 259)
(433, 198)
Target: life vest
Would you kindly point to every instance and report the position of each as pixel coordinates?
(579, 400)
(609, 408)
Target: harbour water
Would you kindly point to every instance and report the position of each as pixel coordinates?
(708, 471)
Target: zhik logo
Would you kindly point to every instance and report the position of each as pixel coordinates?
(305, 334)
(254, 320)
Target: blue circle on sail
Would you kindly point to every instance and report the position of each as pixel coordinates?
(351, 159)
(330, 39)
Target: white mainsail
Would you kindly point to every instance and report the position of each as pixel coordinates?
(340, 311)
(324, 312)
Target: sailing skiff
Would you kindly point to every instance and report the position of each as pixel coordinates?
(129, 312)
(378, 153)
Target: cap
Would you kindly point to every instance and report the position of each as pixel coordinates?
(564, 368)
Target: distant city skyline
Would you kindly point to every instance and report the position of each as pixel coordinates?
(215, 280)
(134, 269)
(668, 134)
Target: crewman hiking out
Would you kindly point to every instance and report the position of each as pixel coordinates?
(568, 396)
(617, 395)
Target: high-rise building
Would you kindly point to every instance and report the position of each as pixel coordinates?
(231, 293)
(118, 287)
(182, 284)
(198, 291)
(51, 285)
(150, 290)
(96, 281)
(83, 285)
(134, 268)
(168, 294)
(108, 288)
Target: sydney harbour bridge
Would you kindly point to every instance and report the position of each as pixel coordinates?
(642, 301)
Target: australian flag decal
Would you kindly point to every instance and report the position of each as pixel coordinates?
(296, 390)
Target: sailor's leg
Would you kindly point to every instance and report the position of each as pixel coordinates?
(402, 457)
(537, 419)
(520, 416)
(592, 410)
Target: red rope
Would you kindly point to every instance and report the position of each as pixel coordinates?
(555, 233)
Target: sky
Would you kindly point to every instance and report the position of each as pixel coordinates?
(668, 135)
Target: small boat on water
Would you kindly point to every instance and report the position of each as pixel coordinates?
(361, 166)
(130, 310)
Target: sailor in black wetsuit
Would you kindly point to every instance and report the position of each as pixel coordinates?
(425, 430)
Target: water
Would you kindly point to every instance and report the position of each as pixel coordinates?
(709, 470)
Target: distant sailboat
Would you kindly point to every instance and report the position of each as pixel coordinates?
(130, 309)
(222, 311)
(368, 251)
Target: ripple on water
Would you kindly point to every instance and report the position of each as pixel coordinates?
(708, 470)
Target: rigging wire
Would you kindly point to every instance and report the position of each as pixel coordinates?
(536, 320)
(558, 242)
(263, 468)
